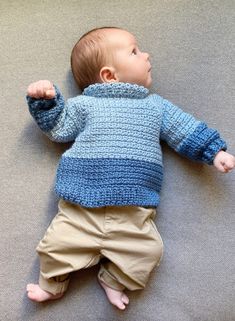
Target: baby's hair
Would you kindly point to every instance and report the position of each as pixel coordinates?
(88, 56)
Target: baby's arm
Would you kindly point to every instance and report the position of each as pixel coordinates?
(224, 162)
(60, 121)
(193, 138)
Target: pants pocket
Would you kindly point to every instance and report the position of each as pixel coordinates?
(159, 240)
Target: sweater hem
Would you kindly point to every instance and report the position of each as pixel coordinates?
(121, 196)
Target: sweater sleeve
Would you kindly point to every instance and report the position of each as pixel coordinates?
(189, 137)
(61, 121)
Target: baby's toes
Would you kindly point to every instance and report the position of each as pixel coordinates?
(30, 287)
(125, 299)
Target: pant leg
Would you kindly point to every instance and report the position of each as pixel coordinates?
(72, 242)
(133, 245)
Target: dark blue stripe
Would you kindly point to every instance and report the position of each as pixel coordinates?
(46, 111)
(202, 144)
(102, 182)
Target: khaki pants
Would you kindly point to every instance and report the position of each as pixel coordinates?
(79, 237)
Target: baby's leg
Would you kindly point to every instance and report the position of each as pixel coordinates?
(134, 249)
(61, 253)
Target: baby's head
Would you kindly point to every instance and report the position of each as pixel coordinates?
(107, 55)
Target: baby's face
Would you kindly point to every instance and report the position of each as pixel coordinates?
(131, 64)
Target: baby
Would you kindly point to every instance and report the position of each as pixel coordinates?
(110, 179)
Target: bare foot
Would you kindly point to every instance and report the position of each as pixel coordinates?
(35, 293)
(117, 298)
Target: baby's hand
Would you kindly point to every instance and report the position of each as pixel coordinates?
(41, 89)
(224, 162)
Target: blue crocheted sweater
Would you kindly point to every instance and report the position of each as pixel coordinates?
(116, 158)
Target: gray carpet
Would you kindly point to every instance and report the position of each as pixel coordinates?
(192, 52)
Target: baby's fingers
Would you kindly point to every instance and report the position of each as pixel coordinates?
(229, 165)
(50, 93)
(31, 90)
(41, 89)
(221, 167)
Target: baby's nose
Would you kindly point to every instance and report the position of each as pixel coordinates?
(146, 55)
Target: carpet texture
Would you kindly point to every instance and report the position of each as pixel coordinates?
(192, 50)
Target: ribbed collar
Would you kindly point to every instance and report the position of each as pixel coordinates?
(116, 90)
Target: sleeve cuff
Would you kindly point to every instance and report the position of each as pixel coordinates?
(46, 111)
(202, 145)
(211, 151)
(43, 104)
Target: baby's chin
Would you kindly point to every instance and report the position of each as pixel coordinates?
(148, 84)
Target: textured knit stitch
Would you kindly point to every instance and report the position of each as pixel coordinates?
(116, 157)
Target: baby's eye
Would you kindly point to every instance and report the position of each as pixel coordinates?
(134, 51)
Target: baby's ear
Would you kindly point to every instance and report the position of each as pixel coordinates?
(108, 74)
